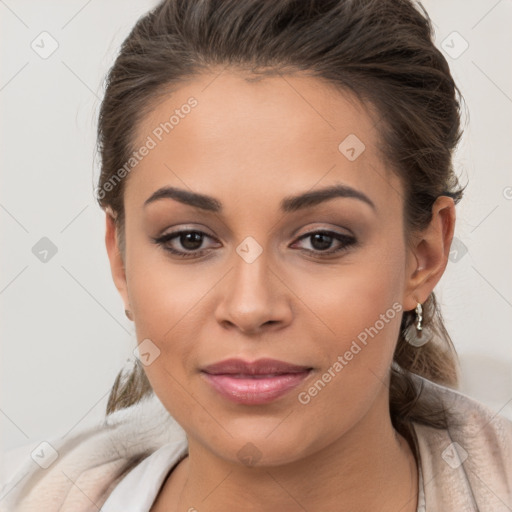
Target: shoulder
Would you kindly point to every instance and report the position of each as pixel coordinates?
(468, 464)
(82, 467)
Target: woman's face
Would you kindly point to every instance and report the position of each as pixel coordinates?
(254, 281)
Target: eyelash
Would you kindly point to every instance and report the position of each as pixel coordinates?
(347, 240)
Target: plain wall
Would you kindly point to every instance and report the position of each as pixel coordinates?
(64, 335)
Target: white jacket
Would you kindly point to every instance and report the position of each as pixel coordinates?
(464, 468)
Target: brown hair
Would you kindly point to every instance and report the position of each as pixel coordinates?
(380, 50)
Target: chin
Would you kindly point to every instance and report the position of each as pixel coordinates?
(266, 443)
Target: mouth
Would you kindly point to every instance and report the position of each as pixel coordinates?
(253, 383)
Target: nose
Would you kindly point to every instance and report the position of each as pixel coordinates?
(254, 298)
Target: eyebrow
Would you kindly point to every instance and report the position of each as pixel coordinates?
(288, 204)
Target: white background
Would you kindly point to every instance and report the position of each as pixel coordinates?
(63, 332)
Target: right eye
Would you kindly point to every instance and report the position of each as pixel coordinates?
(190, 241)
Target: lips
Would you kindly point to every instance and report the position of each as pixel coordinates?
(259, 367)
(256, 382)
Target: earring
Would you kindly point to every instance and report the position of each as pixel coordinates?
(418, 335)
(128, 314)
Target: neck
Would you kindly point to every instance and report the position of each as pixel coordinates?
(371, 467)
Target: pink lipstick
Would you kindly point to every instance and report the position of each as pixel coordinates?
(257, 382)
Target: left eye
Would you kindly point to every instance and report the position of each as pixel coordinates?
(192, 240)
(321, 242)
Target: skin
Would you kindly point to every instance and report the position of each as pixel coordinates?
(250, 144)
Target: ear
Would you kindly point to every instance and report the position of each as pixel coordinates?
(427, 255)
(117, 267)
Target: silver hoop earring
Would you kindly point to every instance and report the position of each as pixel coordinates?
(416, 334)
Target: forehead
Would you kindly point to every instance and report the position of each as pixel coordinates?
(264, 138)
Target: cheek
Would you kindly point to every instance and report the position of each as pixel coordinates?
(165, 300)
(356, 292)
(162, 291)
(167, 324)
(360, 309)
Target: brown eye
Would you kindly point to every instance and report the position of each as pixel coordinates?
(185, 243)
(322, 241)
(191, 240)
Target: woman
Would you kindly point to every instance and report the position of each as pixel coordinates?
(280, 204)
